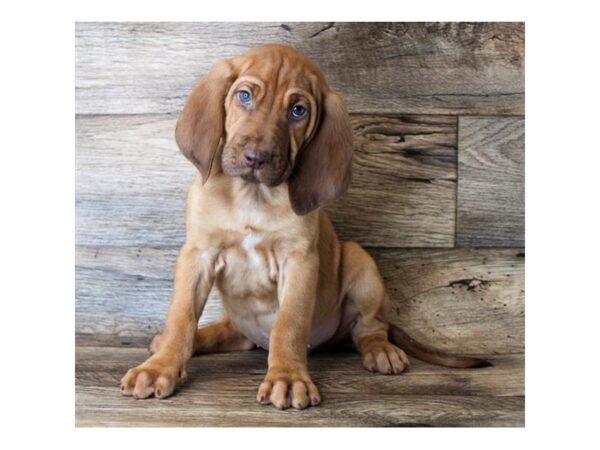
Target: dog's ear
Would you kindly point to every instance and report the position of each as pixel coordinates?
(201, 123)
(322, 170)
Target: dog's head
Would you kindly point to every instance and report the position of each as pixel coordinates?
(276, 120)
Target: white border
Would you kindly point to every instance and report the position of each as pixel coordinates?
(37, 180)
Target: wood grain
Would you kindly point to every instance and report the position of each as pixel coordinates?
(131, 182)
(403, 191)
(491, 188)
(221, 392)
(339, 372)
(464, 300)
(418, 68)
(123, 293)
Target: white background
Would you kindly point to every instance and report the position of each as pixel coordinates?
(37, 223)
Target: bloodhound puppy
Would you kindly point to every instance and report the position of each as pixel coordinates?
(272, 144)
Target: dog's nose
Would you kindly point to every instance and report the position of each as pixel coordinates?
(257, 158)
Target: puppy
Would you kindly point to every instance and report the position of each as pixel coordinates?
(272, 144)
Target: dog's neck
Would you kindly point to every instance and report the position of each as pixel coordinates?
(233, 207)
(251, 197)
(260, 194)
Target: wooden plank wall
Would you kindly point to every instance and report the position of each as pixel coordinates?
(491, 196)
(437, 195)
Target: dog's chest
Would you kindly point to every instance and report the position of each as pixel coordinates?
(248, 268)
(247, 278)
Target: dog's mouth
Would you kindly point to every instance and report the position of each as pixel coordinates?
(269, 174)
(266, 176)
(250, 177)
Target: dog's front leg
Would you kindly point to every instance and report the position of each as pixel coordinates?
(287, 378)
(194, 276)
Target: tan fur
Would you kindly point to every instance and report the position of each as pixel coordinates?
(257, 232)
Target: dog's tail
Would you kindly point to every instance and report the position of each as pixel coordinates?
(420, 351)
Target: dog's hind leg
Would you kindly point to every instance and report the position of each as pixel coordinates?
(218, 337)
(367, 304)
(367, 308)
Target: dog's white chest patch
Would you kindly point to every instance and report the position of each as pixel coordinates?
(249, 244)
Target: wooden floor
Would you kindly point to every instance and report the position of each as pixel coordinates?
(221, 391)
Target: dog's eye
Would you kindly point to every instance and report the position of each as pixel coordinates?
(245, 97)
(297, 111)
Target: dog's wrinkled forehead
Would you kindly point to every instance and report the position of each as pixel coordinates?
(281, 68)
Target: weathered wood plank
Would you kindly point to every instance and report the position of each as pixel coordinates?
(403, 191)
(468, 300)
(419, 68)
(122, 293)
(131, 182)
(464, 300)
(94, 408)
(491, 188)
(340, 372)
(221, 392)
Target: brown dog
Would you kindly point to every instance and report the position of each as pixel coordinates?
(272, 144)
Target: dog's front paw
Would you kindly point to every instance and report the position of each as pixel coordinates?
(158, 375)
(285, 386)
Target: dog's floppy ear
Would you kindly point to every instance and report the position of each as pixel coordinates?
(201, 123)
(322, 169)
